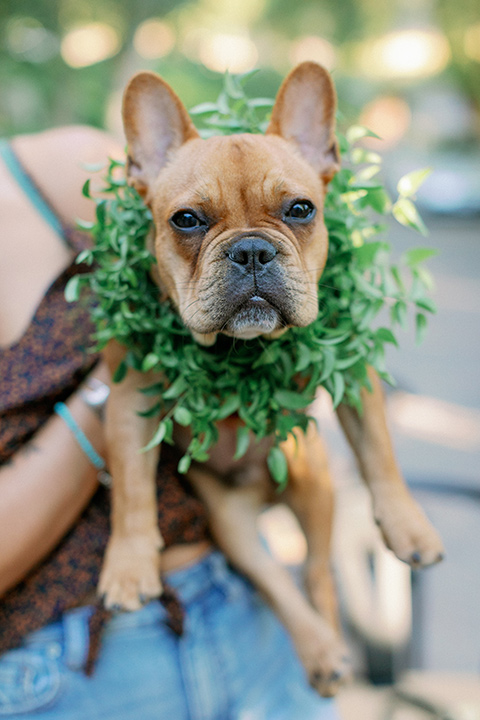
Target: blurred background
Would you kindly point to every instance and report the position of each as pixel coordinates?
(410, 71)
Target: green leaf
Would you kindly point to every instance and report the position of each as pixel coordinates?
(158, 437)
(399, 314)
(358, 132)
(385, 335)
(182, 416)
(338, 388)
(405, 212)
(415, 256)
(367, 287)
(93, 167)
(200, 456)
(203, 108)
(84, 224)
(150, 361)
(290, 400)
(232, 87)
(230, 406)
(410, 183)
(101, 212)
(120, 372)
(177, 388)
(328, 364)
(86, 189)
(420, 328)
(72, 288)
(373, 308)
(261, 103)
(304, 357)
(426, 304)
(86, 256)
(152, 411)
(366, 253)
(243, 441)
(348, 361)
(395, 272)
(184, 464)
(277, 464)
(378, 199)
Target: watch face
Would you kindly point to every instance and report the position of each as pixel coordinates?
(95, 393)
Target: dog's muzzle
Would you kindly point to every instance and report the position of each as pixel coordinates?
(254, 280)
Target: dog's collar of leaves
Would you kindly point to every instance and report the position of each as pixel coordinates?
(268, 383)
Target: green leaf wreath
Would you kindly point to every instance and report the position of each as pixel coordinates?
(268, 383)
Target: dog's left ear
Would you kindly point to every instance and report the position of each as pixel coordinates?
(304, 113)
(156, 124)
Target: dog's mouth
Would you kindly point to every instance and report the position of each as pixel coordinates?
(256, 316)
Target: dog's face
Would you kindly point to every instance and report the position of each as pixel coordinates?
(240, 237)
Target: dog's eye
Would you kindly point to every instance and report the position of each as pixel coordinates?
(300, 211)
(186, 220)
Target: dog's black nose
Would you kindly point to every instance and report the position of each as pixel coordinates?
(251, 252)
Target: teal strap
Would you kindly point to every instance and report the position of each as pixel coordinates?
(62, 410)
(29, 188)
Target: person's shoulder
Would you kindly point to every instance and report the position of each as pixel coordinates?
(60, 160)
(80, 143)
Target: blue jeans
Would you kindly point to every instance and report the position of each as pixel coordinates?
(234, 662)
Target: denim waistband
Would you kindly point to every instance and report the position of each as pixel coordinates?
(192, 581)
(69, 635)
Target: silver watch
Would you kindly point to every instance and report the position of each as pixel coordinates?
(94, 393)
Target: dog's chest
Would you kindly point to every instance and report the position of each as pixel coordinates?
(250, 468)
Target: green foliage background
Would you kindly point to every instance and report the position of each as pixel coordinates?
(39, 89)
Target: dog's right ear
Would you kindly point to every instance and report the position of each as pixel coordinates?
(156, 124)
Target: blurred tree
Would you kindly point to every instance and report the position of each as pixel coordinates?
(39, 88)
(457, 19)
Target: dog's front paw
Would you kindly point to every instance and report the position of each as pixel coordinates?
(323, 656)
(408, 533)
(131, 571)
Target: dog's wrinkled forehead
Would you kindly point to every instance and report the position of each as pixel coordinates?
(239, 176)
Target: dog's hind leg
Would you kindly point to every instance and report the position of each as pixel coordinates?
(233, 521)
(309, 493)
(404, 526)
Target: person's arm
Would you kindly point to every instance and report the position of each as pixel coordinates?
(44, 488)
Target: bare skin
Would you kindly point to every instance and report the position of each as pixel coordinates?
(46, 486)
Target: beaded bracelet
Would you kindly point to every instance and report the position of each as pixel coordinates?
(62, 410)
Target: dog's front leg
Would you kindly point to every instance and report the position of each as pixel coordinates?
(233, 520)
(403, 524)
(131, 568)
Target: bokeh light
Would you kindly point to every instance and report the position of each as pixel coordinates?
(405, 54)
(90, 44)
(153, 39)
(222, 51)
(472, 42)
(313, 47)
(27, 39)
(389, 117)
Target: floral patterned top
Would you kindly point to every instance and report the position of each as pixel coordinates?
(45, 366)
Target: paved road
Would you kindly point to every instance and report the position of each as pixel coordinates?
(446, 367)
(435, 418)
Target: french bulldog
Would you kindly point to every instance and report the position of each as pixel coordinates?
(240, 243)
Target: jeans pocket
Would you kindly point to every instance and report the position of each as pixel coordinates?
(30, 679)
